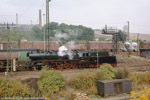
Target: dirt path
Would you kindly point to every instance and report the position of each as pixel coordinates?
(23, 75)
(115, 98)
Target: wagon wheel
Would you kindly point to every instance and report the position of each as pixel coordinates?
(45, 62)
(99, 65)
(90, 66)
(74, 66)
(83, 65)
(95, 66)
(53, 65)
(67, 66)
(60, 67)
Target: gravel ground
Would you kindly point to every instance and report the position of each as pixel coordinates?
(114, 98)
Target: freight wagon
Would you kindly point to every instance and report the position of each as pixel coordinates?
(101, 45)
(3, 59)
(54, 45)
(4, 45)
(145, 49)
(144, 45)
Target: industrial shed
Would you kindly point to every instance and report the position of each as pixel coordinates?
(145, 52)
(113, 87)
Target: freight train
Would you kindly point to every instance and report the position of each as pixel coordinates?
(81, 56)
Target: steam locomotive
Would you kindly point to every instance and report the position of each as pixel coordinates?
(70, 60)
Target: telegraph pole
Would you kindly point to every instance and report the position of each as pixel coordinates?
(128, 30)
(8, 49)
(40, 18)
(44, 29)
(138, 44)
(47, 25)
(17, 20)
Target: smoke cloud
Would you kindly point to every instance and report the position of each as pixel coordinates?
(62, 51)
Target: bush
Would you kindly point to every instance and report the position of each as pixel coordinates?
(50, 82)
(139, 79)
(141, 95)
(84, 81)
(105, 72)
(14, 88)
(122, 73)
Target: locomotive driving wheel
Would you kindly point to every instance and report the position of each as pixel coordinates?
(67, 66)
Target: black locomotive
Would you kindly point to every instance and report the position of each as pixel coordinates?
(79, 59)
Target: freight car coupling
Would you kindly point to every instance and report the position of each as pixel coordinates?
(81, 59)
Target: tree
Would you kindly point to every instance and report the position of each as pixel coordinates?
(88, 34)
(54, 26)
(120, 37)
(17, 35)
(72, 33)
(37, 34)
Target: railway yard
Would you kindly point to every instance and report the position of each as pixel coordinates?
(29, 62)
(76, 68)
(65, 60)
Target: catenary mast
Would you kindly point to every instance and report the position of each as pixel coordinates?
(47, 38)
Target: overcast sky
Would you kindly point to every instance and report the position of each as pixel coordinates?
(91, 13)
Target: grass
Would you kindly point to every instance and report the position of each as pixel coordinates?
(139, 80)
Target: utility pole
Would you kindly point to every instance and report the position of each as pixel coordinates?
(47, 25)
(137, 44)
(44, 29)
(8, 49)
(31, 24)
(40, 18)
(17, 20)
(128, 30)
